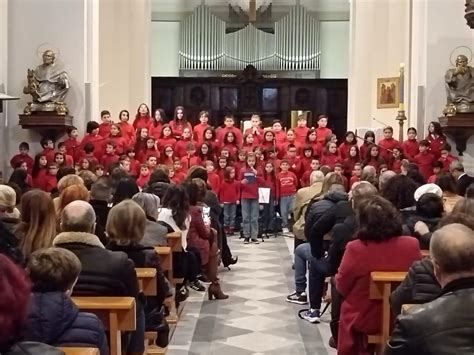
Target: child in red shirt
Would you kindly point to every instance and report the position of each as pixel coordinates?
(311, 140)
(179, 122)
(230, 143)
(349, 141)
(89, 156)
(39, 172)
(156, 125)
(116, 136)
(301, 130)
(85, 165)
(322, 131)
(179, 175)
(210, 138)
(241, 158)
(410, 146)
(152, 162)
(142, 118)
(373, 158)
(436, 138)
(110, 156)
(213, 177)
(48, 148)
(222, 164)
(305, 179)
(198, 130)
(60, 160)
(180, 148)
(437, 169)
(128, 131)
(369, 140)
(104, 127)
(68, 159)
(425, 159)
(206, 152)
(330, 156)
(349, 163)
(50, 178)
(356, 174)
(256, 129)
(290, 140)
(280, 134)
(305, 159)
(287, 184)
(141, 144)
(93, 138)
(446, 158)
(190, 159)
(249, 142)
(144, 176)
(269, 140)
(150, 149)
(166, 138)
(126, 164)
(229, 197)
(23, 156)
(268, 212)
(387, 144)
(134, 163)
(229, 123)
(168, 157)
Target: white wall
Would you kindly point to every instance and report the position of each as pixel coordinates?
(334, 46)
(164, 48)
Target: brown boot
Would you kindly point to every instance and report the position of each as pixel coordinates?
(215, 291)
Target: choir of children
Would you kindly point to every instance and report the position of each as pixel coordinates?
(237, 162)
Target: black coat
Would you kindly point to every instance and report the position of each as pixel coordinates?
(463, 183)
(442, 327)
(342, 233)
(9, 245)
(319, 220)
(420, 286)
(55, 320)
(31, 348)
(409, 228)
(104, 272)
(101, 210)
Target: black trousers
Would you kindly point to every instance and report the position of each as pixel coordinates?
(336, 302)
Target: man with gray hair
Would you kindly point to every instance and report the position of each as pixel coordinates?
(462, 179)
(443, 326)
(104, 272)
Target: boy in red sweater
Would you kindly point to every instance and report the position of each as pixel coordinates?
(110, 156)
(72, 143)
(280, 134)
(424, 159)
(446, 157)
(256, 129)
(104, 127)
(305, 179)
(387, 144)
(48, 149)
(410, 146)
(198, 130)
(179, 174)
(356, 174)
(23, 156)
(144, 176)
(322, 131)
(213, 177)
(287, 184)
(301, 131)
(190, 159)
(152, 162)
(229, 197)
(229, 123)
(50, 178)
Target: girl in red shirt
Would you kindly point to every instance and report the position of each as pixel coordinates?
(168, 155)
(270, 181)
(349, 142)
(395, 163)
(213, 177)
(240, 162)
(39, 172)
(134, 163)
(210, 138)
(352, 159)
(156, 125)
(230, 143)
(144, 176)
(142, 118)
(280, 135)
(369, 139)
(140, 145)
(116, 136)
(166, 137)
(180, 147)
(179, 122)
(249, 142)
(436, 138)
(290, 139)
(306, 158)
(150, 149)
(311, 140)
(330, 156)
(60, 160)
(206, 153)
(221, 165)
(268, 140)
(229, 196)
(373, 157)
(410, 146)
(198, 130)
(93, 137)
(128, 131)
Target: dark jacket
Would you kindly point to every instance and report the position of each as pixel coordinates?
(9, 245)
(319, 220)
(155, 234)
(55, 320)
(101, 210)
(342, 233)
(409, 229)
(442, 327)
(420, 286)
(104, 273)
(31, 348)
(158, 188)
(463, 183)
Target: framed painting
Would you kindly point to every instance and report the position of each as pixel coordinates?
(388, 92)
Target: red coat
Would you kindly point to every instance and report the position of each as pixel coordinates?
(425, 163)
(18, 158)
(198, 132)
(104, 129)
(198, 235)
(128, 132)
(360, 316)
(229, 191)
(321, 134)
(410, 148)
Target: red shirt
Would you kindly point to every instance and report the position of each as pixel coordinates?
(232, 148)
(321, 134)
(280, 137)
(425, 162)
(215, 181)
(250, 189)
(41, 180)
(69, 160)
(375, 162)
(121, 144)
(181, 147)
(283, 148)
(104, 129)
(178, 127)
(229, 191)
(305, 164)
(256, 132)
(134, 167)
(410, 148)
(330, 160)
(432, 179)
(141, 122)
(270, 181)
(396, 165)
(301, 133)
(71, 145)
(348, 165)
(143, 180)
(148, 152)
(363, 150)
(178, 177)
(344, 150)
(108, 159)
(128, 132)
(163, 142)
(18, 158)
(188, 162)
(92, 161)
(49, 153)
(224, 130)
(295, 165)
(436, 143)
(353, 180)
(98, 143)
(389, 144)
(155, 131)
(305, 179)
(287, 184)
(198, 132)
(50, 182)
(447, 161)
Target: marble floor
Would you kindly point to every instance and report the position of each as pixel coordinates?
(255, 319)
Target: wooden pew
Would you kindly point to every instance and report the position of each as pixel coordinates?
(80, 351)
(381, 283)
(118, 314)
(147, 280)
(166, 261)
(174, 241)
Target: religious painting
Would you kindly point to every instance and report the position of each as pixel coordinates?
(388, 92)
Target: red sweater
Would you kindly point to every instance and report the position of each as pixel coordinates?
(385, 144)
(72, 145)
(301, 133)
(214, 181)
(321, 134)
(121, 144)
(229, 191)
(237, 133)
(49, 153)
(396, 165)
(98, 143)
(353, 180)
(410, 148)
(163, 142)
(141, 122)
(305, 179)
(250, 189)
(280, 137)
(436, 143)
(425, 162)
(134, 167)
(50, 182)
(198, 132)
(41, 180)
(155, 131)
(330, 160)
(18, 158)
(143, 180)
(128, 132)
(187, 162)
(287, 184)
(104, 129)
(69, 160)
(178, 127)
(344, 150)
(178, 178)
(348, 166)
(180, 148)
(108, 159)
(447, 161)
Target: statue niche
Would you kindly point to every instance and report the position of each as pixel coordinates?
(48, 86)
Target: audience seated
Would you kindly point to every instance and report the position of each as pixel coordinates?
(400, 191)
(155, 233)
(9, 214)
(100, 196)
(14, 306)
(126, 189)
(53, 318)
(379, 238)
(20, 179)
(462, 179)
(443, 326)
(63, 183)
(104, 273)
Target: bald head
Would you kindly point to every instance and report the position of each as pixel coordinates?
(78, 216)
(316, 176)
(452, 249)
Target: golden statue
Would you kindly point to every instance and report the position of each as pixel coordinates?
(48, 86)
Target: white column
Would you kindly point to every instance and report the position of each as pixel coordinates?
(3, 80)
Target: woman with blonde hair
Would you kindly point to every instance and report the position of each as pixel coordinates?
(72, 193)
(37, 227)
(65, 182)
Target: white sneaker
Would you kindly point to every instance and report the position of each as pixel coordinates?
(285, 231)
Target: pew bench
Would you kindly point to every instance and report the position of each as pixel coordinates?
(147, 280)
(118, 314)
(79, 351)
(174, 241)
(380, 288)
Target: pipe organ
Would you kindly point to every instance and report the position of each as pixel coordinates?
(205, 45)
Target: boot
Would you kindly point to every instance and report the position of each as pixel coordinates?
(215, 291)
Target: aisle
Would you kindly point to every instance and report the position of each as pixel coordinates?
(255, 319)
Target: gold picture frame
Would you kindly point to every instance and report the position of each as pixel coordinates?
(388, 92)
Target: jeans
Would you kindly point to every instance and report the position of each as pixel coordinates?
(318, 270)
(230, 209)
(302, 257)
(286, 207)
(250, 213)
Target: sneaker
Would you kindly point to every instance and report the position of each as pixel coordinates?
(196, 285)
(247, 241)
(298, 298)
(255, 241)
(285, 230)
(311, 315)
(332, 343)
